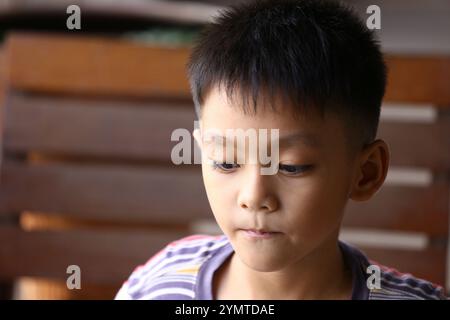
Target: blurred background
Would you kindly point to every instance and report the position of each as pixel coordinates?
(86, 118)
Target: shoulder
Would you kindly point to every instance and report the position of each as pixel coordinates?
(395, 285)
(172, 272)
(387, 283)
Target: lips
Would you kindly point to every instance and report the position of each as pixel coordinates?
(260, 233)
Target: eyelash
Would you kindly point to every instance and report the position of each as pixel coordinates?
(301, 168)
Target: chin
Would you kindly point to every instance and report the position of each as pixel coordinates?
(262, 262)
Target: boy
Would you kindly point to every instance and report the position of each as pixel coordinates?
(315, 73)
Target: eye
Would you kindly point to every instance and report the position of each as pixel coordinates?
(223, 166)
(294, 169)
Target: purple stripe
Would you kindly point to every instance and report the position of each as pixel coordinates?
(424, 285)
(171, 296)
(180, 262)
(182, 250)
(135, 281)
(185, 250)
(165, 285)
(408, 290)
(160, 279)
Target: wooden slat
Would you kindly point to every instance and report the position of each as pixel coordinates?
(140, 130)
(420, 79)
(6, 287)
(31, 288)
(2, 98)
(419, 144)
(428, 264)
(2, 70)
(79, 65)
(403, 208)
(48, 253)
(104, 256)
(124, 130)
(180, 12)
(147, 195)
(114, 193)
(95, 66)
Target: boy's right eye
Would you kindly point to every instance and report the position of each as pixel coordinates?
(224, 166)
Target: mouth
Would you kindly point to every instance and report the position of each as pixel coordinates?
(260, 233)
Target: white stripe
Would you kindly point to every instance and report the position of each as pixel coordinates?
(152, 274)
(419, 177)
(172, 276)
(161, 292)
(404, 284)
(158, 281)
(421, 113)
(123, 293)
(398, 297)
(208, 226)
(397, 292)
(384, 239)
(381, 297)
(172, 279)
(179, 276)
(149, 288)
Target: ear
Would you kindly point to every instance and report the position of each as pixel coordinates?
(372, 167)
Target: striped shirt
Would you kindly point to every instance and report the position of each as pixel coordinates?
(184, 270)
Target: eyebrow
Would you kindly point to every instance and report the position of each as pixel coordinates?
(289, 140)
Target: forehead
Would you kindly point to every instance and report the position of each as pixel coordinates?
(219, 113)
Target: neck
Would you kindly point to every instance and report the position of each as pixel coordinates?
(321, 274)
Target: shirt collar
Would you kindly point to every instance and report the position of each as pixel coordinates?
(353, 258)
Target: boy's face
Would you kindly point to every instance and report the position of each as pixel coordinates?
(302, 206)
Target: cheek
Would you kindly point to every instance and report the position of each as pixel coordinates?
(219, 194)
(316, 206)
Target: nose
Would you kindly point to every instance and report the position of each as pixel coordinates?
(256, 193)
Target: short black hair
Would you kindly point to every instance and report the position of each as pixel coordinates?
(318, 54)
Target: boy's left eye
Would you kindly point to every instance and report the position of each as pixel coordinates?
(294, 169)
